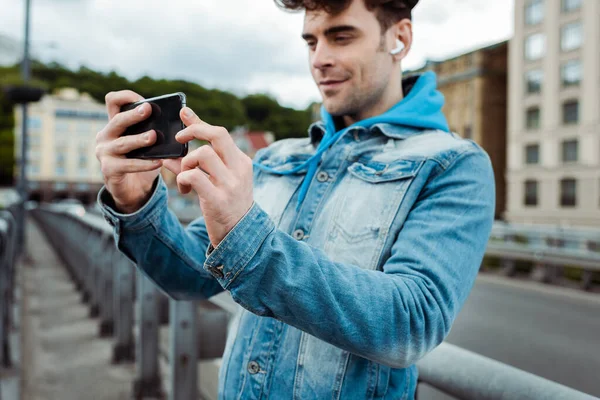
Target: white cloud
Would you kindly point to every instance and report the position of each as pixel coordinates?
(234, 45)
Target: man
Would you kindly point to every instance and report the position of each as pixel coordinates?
(350, 251)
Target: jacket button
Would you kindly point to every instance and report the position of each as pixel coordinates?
(298, 234)
(322, 176)
(253, 367)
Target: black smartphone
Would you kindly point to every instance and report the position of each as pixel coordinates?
(166, 123)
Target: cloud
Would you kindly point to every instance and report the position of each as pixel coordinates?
(233, 45)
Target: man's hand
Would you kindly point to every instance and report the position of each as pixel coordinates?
(129, 181)
(220, 173)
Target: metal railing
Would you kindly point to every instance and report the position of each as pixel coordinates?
(110, 284)
(550, 249)
(9, 356)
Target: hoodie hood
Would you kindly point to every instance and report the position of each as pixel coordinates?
(421, 108)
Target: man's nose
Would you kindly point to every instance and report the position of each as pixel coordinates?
(323, 56)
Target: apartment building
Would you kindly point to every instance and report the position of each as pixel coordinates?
(553, 171)
(61, 146)
(474, 85)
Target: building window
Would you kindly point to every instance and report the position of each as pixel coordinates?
(571, 36)
(568, 192)
(82, 162)
(533, 81)
(532, 118)
(535, 46)
(532, 154)
(62, 126)
(60, 163)
(570, 73)
(531, 193)
(534, 12)
(570, 150)
(570, 5)
(34, 123)
(570, 111)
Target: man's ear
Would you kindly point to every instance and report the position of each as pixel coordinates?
(402, 32)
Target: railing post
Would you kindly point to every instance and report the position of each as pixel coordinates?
(124, 350)
(184, 350)
(107, 299)
(148, 382)
(508, 265)
(4, 261)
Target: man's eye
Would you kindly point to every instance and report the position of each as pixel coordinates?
(342, 39)
(311, 44)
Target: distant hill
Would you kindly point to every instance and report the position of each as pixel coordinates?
(257, 112)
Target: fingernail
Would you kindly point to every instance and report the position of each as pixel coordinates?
(140, 109)
(157, 161)
(188, 112)
(147, 136)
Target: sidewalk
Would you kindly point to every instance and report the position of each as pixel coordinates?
(63, 356)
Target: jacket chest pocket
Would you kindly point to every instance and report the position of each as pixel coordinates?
(366, 203)
(273, 192)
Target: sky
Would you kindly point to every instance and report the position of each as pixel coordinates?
(228, 44)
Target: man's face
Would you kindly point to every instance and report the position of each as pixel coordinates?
(348, 60)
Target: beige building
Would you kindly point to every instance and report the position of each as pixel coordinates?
(61, 153)
(474, 87)
(553, 170)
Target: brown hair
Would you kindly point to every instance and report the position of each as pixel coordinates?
(388, 12)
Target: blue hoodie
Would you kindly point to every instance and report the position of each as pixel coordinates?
(421, 108)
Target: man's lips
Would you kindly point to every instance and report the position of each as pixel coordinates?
(329, 83)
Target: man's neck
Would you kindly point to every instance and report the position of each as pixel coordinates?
(387, 102)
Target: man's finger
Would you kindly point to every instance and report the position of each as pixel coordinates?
(118, 166)
(173, 165)
(207, 160)
(115, 100)
(198, 181)
(218, 137)
(125, 144)
(117, 125)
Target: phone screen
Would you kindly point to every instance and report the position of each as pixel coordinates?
(166, 123)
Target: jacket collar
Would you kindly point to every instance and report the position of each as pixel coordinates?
(316, 131)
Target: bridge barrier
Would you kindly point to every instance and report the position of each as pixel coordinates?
(112, 287)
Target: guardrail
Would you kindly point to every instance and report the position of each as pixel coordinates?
(9, 355)
(108, 281)
(549, 249)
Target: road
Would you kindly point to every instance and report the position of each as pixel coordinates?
(549, 331)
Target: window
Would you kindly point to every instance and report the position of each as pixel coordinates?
(34, 123)
(61, 126)
(570, 73)
(535, 46)
(532, 118)
(531, 193)
(533, 81)
(570, 111)
(534, 12)
(532, 154)
(60, 163)
(571, 36)
(568, 192)
(570, 150)
(570, 5)
(82, 163)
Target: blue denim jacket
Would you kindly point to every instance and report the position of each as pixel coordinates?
(342, 296)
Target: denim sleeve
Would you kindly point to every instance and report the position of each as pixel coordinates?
(162, 249)
(394, 316)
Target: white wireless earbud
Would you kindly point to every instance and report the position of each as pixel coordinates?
(398, 49)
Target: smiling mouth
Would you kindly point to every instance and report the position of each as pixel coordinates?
(331, 83)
